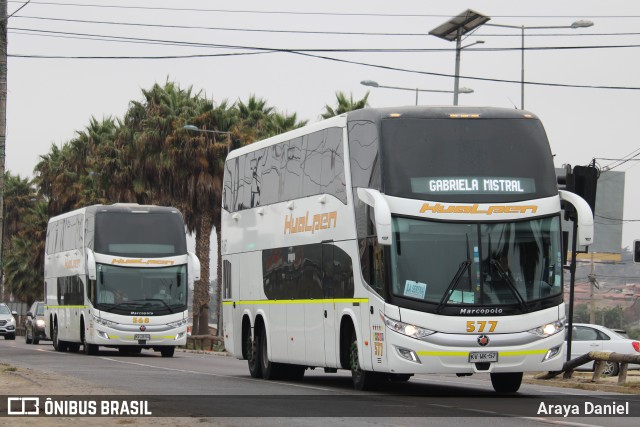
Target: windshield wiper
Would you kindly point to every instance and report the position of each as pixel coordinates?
(463, 266)
(510, 285)
(162, 301)
(124, 304)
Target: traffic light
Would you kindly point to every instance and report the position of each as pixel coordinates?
(636, 251)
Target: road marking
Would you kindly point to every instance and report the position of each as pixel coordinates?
(209, 374)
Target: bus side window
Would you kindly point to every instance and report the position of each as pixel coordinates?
(372, 262)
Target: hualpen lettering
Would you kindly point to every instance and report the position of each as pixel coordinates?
(302, 224)
(475, 209)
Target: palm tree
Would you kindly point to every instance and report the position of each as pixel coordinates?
(19, 199)
(176, 167)
(24, 266)
(280, 123)
(69, 177)
(345, 105)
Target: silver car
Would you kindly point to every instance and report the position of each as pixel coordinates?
(586, 338)
(7, 322)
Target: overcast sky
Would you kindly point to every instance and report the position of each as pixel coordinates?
(49, 99)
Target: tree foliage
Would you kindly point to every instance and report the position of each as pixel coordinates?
(147, 157)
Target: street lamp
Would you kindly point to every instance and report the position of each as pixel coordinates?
(197, 129)
(577, 24)
(454, 29)
(417, 90)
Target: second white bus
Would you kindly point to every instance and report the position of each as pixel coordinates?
(118, 276)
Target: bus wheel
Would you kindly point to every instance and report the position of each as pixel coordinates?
(362, 380)
(89, 349)
(58, 345)
(506, 382)
(167, 351)
(270, 370)
(253, 356)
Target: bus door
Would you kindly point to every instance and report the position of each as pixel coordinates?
(330, 288)
(230, 313)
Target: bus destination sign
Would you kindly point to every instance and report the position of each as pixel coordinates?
(472, 185)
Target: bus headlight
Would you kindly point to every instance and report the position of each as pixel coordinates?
(407, 329)
(177, 323)
(548, 329)
(104, 322)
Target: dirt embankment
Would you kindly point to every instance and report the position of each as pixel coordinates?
(28, 382)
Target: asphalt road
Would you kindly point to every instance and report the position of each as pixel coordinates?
(456, 400)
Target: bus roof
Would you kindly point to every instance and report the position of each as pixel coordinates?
(439, 112)
(116, 207)
(376, 114)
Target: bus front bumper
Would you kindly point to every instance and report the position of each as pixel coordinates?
(106, 336)
(408, 355)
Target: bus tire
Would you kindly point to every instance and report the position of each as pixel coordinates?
(506, 382)
(167, 351)
(270, 370)
(253, 356)
(362, 380)
(58, 344)
(89, 349)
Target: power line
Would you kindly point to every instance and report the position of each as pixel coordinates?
(285, 12)
(279, 31)
(616, 219)
(17, 10)
(330, 50)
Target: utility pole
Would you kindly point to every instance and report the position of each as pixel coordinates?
(592, 282)
(3, 121)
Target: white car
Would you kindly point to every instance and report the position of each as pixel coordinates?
(7, 322)
(586, 338)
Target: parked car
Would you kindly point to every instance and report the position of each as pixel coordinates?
(7, 322)
(586, 338)
(34, 325)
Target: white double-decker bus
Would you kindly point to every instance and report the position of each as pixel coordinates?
(118, 276)
(398, 241)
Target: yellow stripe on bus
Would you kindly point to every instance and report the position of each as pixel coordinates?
(466, 353)
(297, 301)
(67, 306)
(130, 337)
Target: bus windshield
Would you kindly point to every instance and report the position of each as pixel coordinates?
(144, 234)
(486, 264)
(125, 289)
(467, 160)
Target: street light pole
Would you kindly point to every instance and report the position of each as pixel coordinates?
(197, 129)
(577, 24)
(454, 29)
(375, 84)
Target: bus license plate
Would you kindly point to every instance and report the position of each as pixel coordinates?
(483, 356)
(139, 337)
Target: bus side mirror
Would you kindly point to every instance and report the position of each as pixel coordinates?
(91, 264)
(193, 266)
(585, 217)
(636, 251)
(382, 213)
